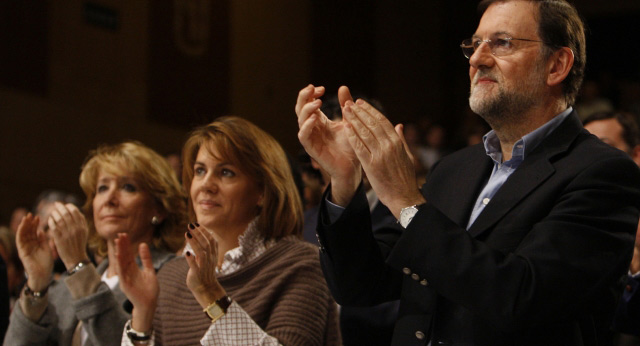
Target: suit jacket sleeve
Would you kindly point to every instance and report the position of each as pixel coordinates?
(353, 257)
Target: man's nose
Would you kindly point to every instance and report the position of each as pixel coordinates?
(482, 56)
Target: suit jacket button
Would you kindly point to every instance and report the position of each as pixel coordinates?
(420, 335)
(406, 270)
(424, 282)
(415, 276)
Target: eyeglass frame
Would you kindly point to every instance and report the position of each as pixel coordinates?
(489, 42)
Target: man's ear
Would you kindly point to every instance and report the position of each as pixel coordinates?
(560, 63)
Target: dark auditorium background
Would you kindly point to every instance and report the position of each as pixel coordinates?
(75, 74)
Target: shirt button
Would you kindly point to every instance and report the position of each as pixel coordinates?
(415, 276)
(424, 282)
(406, 270)
(485, 201)
(420, 335)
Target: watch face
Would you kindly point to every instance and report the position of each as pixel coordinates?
(406, 215)
(215, 311)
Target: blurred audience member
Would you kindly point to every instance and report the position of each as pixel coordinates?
(16, 217)
(318, 182)
(4, 299)
(435, 146)
(43, 207)
(15, 271)
(312, 180)
(590, 100)
(175, 162)
(420, 153)
(620, 130)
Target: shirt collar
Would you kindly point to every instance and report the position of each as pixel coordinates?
(524, 145)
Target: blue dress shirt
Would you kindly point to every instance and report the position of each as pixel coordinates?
(503, 170)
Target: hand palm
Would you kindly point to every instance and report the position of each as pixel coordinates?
(139, 285)
(201, 275)
(33, 249)
(330, 143)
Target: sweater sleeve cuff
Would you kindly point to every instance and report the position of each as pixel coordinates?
(84, 282)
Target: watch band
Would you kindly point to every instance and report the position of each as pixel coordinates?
(136, 336)
(33, 294)
(218, 308)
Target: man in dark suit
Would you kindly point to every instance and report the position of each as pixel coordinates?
(517, 241)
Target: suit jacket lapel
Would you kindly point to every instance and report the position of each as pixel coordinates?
(535, 169)
(461, 186)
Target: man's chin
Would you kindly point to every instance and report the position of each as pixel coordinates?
(478, 104)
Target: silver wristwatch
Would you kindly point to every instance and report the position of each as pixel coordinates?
(407, 214)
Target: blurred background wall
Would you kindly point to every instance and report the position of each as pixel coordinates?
(75, 74)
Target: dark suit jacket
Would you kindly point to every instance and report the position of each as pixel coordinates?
(538, 267)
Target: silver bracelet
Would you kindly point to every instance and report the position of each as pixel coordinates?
(78, 267)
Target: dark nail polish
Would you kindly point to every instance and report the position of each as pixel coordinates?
(191, 226)
(188, 253)
(197, 224)
(189, 235)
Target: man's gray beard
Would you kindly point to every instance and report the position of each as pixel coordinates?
(505, 108)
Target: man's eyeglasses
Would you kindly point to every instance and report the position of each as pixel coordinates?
(500, 45)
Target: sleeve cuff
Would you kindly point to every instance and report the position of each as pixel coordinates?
(84, 282)
(334, 211)
(33, 309)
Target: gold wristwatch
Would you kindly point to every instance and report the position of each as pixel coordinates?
(218, 308)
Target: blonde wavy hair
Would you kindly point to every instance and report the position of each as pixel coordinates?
(154, 175)
(261, 157)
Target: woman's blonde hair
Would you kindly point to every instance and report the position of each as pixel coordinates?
(154, 175)
(261, 157)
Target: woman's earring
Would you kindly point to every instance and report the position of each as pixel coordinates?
(155, 220)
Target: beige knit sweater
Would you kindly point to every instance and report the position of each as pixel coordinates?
(283, 290)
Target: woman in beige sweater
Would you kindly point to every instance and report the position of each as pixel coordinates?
(245, 264)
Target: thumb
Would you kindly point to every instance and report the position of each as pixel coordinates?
(400, 131)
